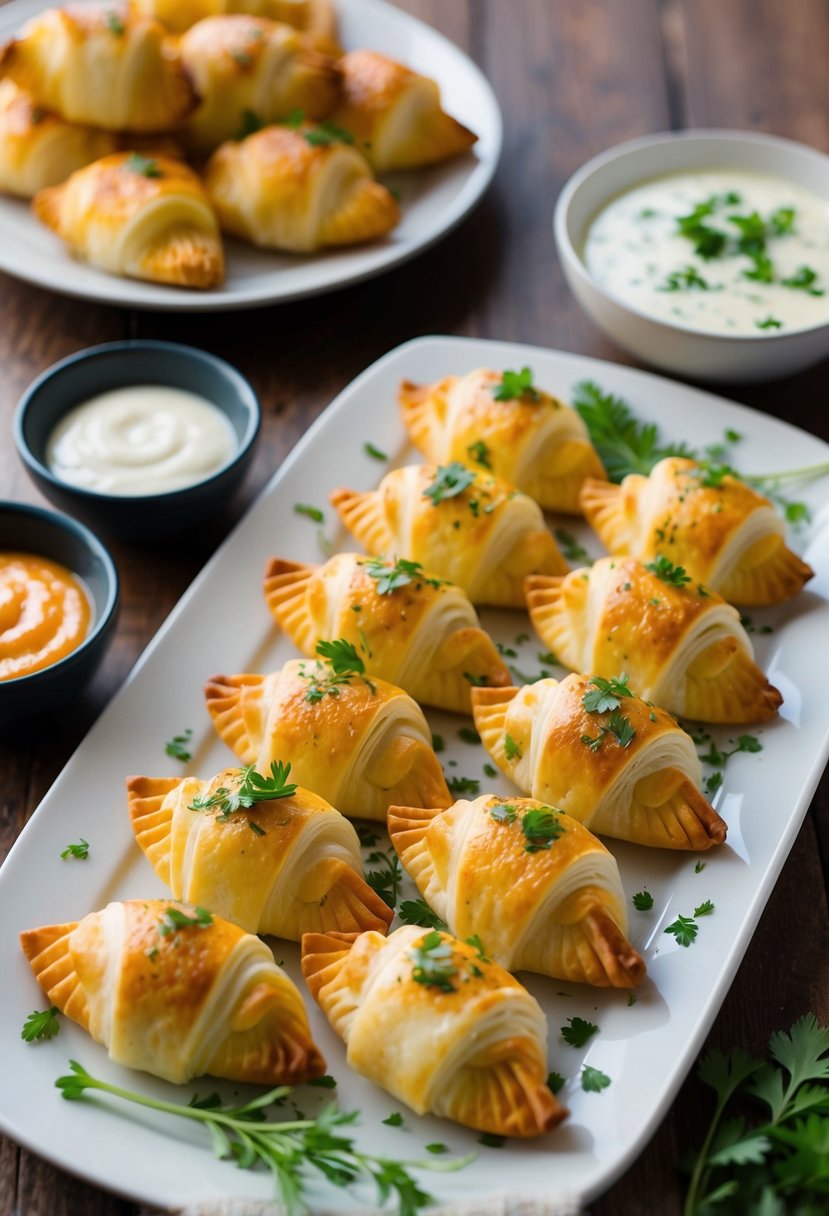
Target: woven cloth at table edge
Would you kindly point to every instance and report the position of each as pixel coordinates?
(492, 1205)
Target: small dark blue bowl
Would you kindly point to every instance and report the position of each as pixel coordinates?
(121, 364)
(34, 530)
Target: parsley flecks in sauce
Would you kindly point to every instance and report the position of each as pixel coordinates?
(731, 252)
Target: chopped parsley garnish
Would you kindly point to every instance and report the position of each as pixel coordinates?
(392, 574)
(142, 165)
(250, 123)
(480, 453)
(41, 1024)
(618, 726)
(463, 785)
(705, 909)
(418, 912)
(762, 270)
(449, 481)
(373, 452)
(782, 220)
(174, 919)
(511, 749)
(490, 771)
(643, 900)
(624, 445)
(79, 850)
(328, 133)
(515, 386)
(368, 837)
(555, 1082)
(294, 119)
(438, 743)
(769, 323)
(804, 279)
(395, 1119)
(593, 1081)
(302, 508)
(433, 960)
(541, 827)
(469, 735)
(503, 812)
(708, 242)
(386, 878)
(435, 1147)
(570, 547)
(256, 828)
(253, 787)
(241, 57)
(578, 1031)
(667, 572)
(606, 694)
(179, 746)
(684, 929)
(490, 1140)
(325, 1082)
(699, 867)
(685, 280)
(753, 232)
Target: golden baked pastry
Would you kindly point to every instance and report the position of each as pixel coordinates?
(530, 439)
(533, 884)
(249, 72)
(460, 524)
(316, 18)
(618, 764)
(175, 991)
(721, 531)
(146, 218)
(680, 644)
(284, 867)
(38, 149)
(438, 1025)
(395, 114)
(358, 742)
(108, 67)
(298, 189)
(409, 628)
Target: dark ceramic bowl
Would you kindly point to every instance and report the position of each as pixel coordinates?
(33, 530)
(118, 365)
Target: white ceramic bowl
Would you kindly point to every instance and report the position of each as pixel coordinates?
(675, 347)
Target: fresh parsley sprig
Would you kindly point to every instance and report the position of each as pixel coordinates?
(774, 1164)
(179, 746)
(578, 1031)
(287, 1148)
(418, 912)
(668, 573)
(386, 877)
(433, 961)
(390, 574)
(41, 1024)
(253, 787)
(516, 386)
(449, 481)
(175, 919)
(606, 694)
(79, 850)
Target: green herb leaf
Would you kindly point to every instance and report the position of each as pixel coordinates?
(571, 550)
(433, 960)
(41, 1024)
(325, 1082)
(418, 912)
(386, 878)
(175, 919)
(804, 279)
(342, 657)
(578, 1031)
(302, 508)
(436, 1147)
(438, 743)
(490, 771)
(606, 694)
(623, 444)
(593, 1081)
(179, 746)
(685, 280)
(480, 454)
(684, 929)
(79, 850)
(515, 386)
(449, 481)
(541, 826)
(503, 812)
(395, 1119)
(643, 901)
(463, 785)
(373, 452)
(769, 323)
(555, 1082)
(667, 572)
(705, 909)
(114, 24)
(511, 749)
(490, 1140)
(250, 123)
(392, 574)
(144, 167)
(469, 735)
(328, 133)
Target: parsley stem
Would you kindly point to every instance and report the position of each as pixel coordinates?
(701, 1171)
(806, 473)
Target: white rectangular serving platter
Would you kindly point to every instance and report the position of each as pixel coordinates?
(222, 625)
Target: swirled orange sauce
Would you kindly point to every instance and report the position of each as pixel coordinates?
(45, 613)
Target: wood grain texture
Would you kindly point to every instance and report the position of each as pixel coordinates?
(573, 77)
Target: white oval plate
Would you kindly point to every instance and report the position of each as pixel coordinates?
(222, 624)
(433, 201)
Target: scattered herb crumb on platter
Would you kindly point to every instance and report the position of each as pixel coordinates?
(592, 1079)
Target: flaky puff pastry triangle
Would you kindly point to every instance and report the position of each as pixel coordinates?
(533, 884)
(395, 114)
(249, 69)
(316, 18)
(176, 997)
(283, 190)
(283, 867)
(358, 742)
(534, 441)
(146, 218)
(463, 525)
(720, 530)
(108, 67)
(640, 784)
(39, 149)
(438, 1025)
(422, 635)
(682, 646)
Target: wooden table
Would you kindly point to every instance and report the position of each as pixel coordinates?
(573, 77)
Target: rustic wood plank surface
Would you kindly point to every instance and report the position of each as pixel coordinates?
(573, 77)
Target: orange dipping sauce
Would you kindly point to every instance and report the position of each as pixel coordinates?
(45, 613)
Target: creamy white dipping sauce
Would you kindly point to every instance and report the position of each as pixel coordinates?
(141, 440)
(636, 250)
